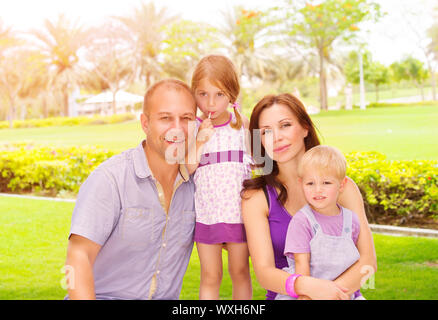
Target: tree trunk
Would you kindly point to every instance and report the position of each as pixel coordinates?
(114, 104)
(65, 102)
(11, 115)
(45, 107)
(422, 91)
(322, 82)
(433, 83)
(148, 79)
(377, 93)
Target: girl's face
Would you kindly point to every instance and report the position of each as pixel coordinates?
(211, 99)
(282, 135)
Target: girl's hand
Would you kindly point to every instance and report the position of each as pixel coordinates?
(206, 131)
(320, 289)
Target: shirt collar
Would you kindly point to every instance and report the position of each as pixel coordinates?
(141, 165)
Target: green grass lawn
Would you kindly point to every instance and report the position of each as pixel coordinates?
(399, 132)
(33, 243)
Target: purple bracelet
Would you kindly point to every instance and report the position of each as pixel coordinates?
(290, 285)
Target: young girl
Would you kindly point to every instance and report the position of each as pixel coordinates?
(221, 169)
(321, 238)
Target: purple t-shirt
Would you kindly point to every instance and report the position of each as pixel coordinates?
(300, 233)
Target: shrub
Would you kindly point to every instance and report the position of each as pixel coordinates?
(68, 121)
(45, 170)
(407, 189)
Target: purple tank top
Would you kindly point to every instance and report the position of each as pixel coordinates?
(279, 220)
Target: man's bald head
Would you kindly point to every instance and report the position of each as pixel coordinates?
(168, 84)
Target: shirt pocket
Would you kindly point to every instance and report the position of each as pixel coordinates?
(186, 228)
(137, 226)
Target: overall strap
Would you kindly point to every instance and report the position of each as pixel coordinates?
(347, 223)
(311, 217)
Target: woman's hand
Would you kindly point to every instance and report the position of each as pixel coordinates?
(320, 289)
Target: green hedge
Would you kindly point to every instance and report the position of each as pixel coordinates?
(400, 188)
(45, 170)
(68, 121)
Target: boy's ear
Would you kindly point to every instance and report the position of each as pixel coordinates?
(343, 183)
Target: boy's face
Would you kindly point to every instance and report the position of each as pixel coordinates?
(321, 190)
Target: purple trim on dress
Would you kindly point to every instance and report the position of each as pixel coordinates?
(219, 233)
(219, 125)
(220, 157)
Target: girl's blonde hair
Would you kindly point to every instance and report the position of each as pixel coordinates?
(220, 71)
(323, 158)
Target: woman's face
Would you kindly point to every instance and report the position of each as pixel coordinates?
(281, 134)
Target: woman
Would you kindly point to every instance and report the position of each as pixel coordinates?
(286, 132)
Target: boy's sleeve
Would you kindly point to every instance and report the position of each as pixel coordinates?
(298, 235)
(97, 208)
(355, 228)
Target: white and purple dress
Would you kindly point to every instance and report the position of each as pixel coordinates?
(223, 167)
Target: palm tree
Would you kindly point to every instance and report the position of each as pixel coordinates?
(185, 44)
(145, 27)
(7, 38)
(60, 42)
(243, 35)
(111, 58)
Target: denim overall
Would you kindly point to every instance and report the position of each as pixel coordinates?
(330, 255)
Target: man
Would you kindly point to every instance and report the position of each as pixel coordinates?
(132, 226)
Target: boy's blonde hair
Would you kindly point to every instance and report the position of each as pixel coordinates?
(220, 71)
(324, 158)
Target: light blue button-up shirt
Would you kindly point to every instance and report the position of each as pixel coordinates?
(145, 250)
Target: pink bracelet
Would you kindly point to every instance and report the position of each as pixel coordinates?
(290, 285)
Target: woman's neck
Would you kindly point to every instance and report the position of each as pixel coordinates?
(288, 171)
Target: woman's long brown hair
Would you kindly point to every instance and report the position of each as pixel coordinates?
(312, 140)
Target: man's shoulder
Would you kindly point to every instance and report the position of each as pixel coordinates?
(114, 163)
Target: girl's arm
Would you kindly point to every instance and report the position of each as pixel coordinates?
(194, 153)
(255, 217)
(353, 277)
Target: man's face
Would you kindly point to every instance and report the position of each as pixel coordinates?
(166, 122)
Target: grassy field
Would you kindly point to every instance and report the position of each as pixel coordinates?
(34, 238)
(399, 132)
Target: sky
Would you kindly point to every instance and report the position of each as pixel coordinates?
(389, 40)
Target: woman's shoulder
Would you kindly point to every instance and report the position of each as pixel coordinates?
(254, 201)
(253, 194)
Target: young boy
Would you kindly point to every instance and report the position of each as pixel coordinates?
(322, 236)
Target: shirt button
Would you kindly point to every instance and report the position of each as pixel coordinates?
(158, 271)
(164, 245)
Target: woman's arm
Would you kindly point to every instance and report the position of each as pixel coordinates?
(302, 266)
(255, 217)
(353, 277)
